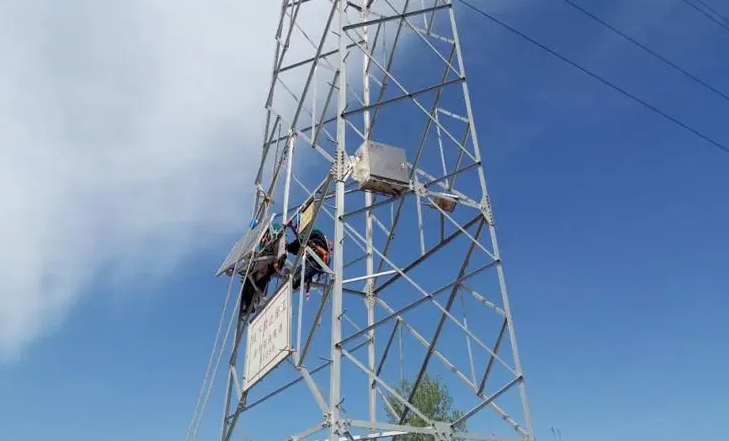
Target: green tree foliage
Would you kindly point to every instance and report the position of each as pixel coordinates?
(433, 399)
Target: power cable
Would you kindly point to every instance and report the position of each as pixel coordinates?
(670, 118)
(714, 11)
(215, 371)
(209, 382)
(201, 395)
(709, 16)
(647, 49)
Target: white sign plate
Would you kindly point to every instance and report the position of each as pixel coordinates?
(306, 216)
(268, 342)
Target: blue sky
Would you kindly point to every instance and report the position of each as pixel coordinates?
(611, 222)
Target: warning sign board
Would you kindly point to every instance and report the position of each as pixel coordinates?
(268, 342)
(306, 215)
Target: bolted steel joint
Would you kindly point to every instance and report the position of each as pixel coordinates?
(340, 166)
(486, 210)
(342, 426)
(419, 189)
(443, 431)
(369, 299)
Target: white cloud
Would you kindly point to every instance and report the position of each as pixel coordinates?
(127, 129)
(128, 132)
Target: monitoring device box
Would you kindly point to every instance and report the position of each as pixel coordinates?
(381, 168)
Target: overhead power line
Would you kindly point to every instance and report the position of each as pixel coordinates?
(624, 92)
(713, 11)
(709, 16)
(647, 49)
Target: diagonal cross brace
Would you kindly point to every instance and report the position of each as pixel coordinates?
(441, 322)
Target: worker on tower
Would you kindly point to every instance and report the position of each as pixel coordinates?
(320, 245)
(268, 261)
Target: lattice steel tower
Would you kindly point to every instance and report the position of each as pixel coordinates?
(371, 138)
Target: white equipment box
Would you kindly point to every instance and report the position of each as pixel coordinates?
(381, 168)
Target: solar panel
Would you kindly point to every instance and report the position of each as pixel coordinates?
(242, 249)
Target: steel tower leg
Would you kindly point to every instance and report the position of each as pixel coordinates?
(369, 290)
(335, 429)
